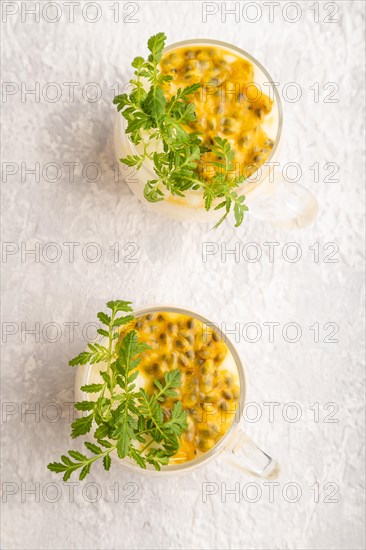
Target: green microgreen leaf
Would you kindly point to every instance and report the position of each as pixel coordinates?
(92, 388)
(85, 405)
(107, 462)
(81, 426)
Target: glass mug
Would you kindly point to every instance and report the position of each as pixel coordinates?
(235, 445)
(269, 196)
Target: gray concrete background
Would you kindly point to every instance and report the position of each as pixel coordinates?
(170, 513)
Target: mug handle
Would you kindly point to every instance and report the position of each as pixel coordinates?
(284, 204)
(245, 454)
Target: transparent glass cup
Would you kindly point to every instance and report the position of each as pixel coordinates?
(235, 446)
(269, 196)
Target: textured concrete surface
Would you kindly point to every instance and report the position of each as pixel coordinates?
(314, 452)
